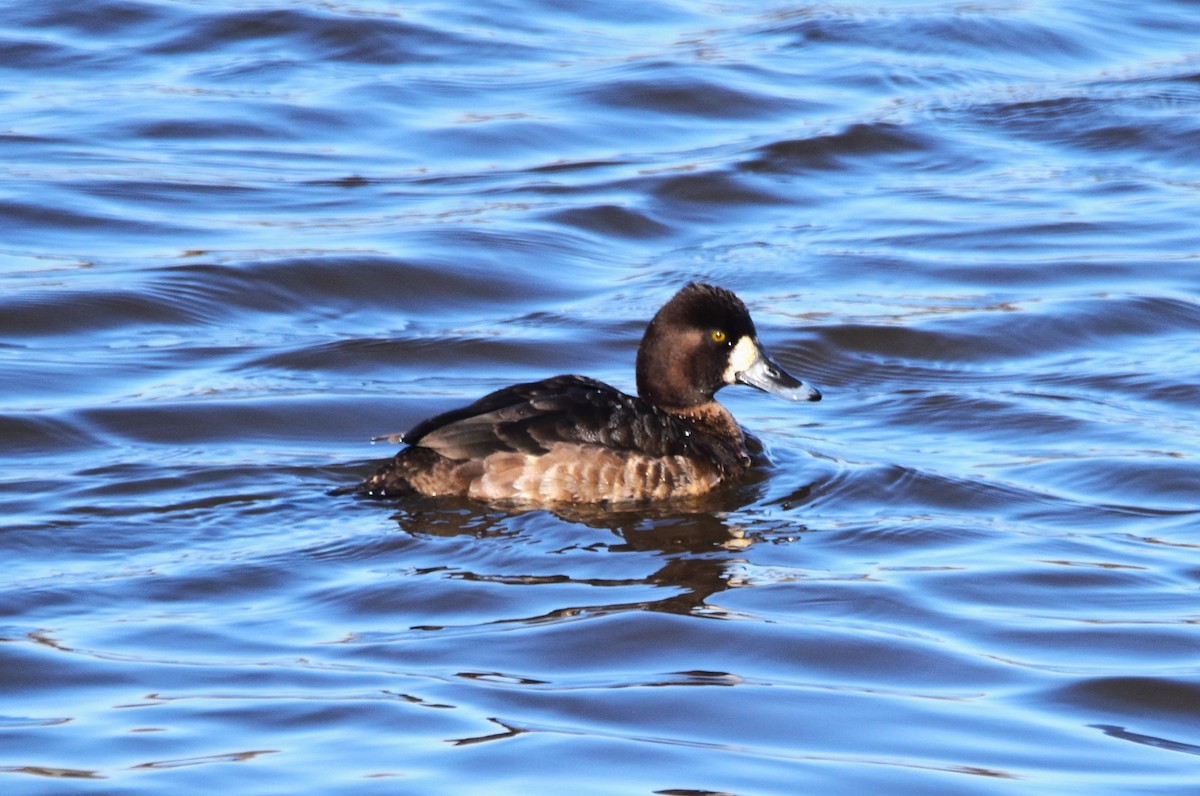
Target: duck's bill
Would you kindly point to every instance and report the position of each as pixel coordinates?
(765, 374)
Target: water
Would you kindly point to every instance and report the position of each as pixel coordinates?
(238, 239)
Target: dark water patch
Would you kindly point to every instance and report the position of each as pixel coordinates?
(1090, 648)
(34, 664)
(229, 582)
(43, 56)
(1103, 124)
(27, 433)
(662, 88)
(984, 417)
(886, 488)
(200, 129)
(203, 294)
(1006, 241)
(487, 353)
(403, 286)
(570, 166)
(104, 18)
(1151, 479)
(454, 604)
(1107, 592)
(1145, 702)
(71, 43)
(910, 344)
(516, 262)
(171, 484)
(704, 191)
(375, 39)
(190, 422)
(1148, 383)
(160, 194)
(513, 138)
(1037, 329)
(43, 314)
(1062, 512)
(839, 150)
(606, 220)
(24, 220)
(375, 547)
(964, 34)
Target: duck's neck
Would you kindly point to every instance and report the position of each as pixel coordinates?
(711, 418)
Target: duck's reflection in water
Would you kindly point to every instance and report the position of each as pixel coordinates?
(694, 543)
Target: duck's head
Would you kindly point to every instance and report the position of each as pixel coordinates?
(702, 340)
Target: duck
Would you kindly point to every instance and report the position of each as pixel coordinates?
(574, 440)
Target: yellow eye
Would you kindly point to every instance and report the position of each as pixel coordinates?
(718, 336)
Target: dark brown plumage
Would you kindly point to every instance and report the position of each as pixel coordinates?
(571, 439)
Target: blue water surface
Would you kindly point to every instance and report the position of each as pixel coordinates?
(237, 239)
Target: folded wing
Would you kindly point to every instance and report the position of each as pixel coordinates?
(531, 418)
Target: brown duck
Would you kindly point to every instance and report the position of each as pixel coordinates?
(571, 439)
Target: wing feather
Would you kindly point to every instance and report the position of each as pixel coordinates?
(531, 418)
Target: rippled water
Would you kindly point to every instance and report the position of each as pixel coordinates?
(239, 238)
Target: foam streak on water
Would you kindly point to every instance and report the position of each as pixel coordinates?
(239, 239)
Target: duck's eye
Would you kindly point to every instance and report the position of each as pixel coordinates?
(718, 336)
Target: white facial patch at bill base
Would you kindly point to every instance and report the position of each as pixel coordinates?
(743, 355)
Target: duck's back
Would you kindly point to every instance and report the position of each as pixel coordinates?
(565, 439)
